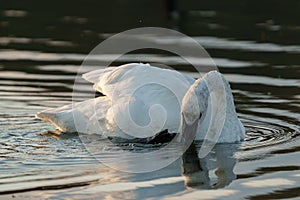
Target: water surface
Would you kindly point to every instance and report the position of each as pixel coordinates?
(38, 68)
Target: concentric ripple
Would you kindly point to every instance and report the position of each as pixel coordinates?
(261, 135)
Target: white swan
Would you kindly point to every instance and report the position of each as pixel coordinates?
(141, 100)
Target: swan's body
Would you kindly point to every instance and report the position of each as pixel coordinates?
(139, 98)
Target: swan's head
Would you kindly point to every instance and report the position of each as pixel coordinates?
(194, 108)
(209, 106)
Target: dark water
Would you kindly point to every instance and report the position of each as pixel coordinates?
(256, 47)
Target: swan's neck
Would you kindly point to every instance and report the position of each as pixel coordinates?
(220, 123)
(219, 120)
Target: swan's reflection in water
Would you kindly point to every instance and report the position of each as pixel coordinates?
(196, 170)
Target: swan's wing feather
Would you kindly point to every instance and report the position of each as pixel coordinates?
(95, 75)
(128, 75)
(109, 74)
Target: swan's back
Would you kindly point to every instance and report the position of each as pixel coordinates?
(128, 77)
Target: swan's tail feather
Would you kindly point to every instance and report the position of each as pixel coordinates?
(79, 117)
(61, 118)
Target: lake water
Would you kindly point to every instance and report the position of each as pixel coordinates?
(257, 49)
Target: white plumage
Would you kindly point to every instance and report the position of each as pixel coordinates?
(141, 100)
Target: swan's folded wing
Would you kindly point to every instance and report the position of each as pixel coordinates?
(135, 88)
